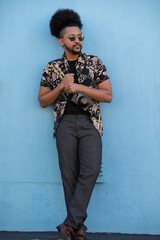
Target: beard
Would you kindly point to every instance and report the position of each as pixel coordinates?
(75, 49)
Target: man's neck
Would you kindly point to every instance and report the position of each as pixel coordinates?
(71, 57)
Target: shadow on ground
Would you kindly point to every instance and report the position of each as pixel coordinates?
(90, 236)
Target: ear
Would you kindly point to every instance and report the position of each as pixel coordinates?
(60, 40)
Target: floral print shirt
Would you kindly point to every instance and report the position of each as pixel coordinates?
(90, 72)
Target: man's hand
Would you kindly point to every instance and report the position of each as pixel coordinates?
(68, 78)
(71, 87)
(102, 94)
(47, 96)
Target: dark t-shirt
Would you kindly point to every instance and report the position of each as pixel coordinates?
(72, 108)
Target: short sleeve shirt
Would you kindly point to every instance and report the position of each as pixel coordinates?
(90, 72)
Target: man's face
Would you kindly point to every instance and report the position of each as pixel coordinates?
(71, 41)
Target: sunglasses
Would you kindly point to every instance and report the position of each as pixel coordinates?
(73, 37)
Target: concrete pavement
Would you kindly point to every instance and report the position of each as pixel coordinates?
(90, 236)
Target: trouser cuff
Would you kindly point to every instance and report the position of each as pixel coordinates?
(75, 226)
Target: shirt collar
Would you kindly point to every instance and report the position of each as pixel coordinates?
(80, 60)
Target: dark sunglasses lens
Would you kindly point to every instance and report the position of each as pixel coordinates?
(80, 38)
(72, 38)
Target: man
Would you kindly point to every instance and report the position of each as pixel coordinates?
(75, 83)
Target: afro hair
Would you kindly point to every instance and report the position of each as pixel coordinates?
(63, 18)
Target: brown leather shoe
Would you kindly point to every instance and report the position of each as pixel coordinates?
(65, 231)
(80, 235)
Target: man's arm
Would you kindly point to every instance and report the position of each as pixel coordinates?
(102, 94)
(47, 96)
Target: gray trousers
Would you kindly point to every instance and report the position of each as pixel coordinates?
(80, 151)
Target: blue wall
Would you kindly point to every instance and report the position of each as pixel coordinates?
(125, 35)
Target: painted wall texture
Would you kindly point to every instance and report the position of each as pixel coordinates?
(126, 36)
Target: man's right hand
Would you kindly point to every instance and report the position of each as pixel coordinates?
(47, 96)
(68, 78)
